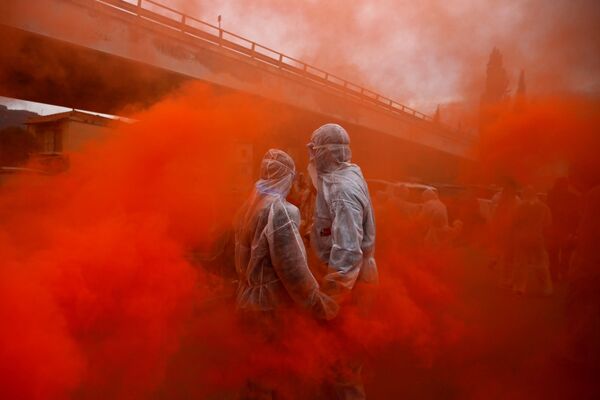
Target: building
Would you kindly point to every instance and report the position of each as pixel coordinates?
(59, 134)
(67, 131)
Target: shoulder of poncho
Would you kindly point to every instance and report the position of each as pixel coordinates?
(281, 204)
(348, 184)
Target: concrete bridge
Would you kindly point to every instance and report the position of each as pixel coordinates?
(103, 55)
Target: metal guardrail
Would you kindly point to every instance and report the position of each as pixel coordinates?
(193, 27)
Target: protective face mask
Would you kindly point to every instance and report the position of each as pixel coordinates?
(312, 173)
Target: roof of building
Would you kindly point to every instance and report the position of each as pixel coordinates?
(72, 115)
(10, 117)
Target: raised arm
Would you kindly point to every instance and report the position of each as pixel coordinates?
(288, 257)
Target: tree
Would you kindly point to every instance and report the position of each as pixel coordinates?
(496, 83)
(493, 99)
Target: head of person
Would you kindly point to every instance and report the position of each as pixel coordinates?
(329, 148)
(429, 194)
(277, 171)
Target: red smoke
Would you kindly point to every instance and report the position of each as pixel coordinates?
(543, 140)
(100, 298)
(96, 282)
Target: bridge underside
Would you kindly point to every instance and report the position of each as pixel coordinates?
(41, 69)
(37, 68)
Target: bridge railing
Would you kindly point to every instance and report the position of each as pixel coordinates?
(193, 27)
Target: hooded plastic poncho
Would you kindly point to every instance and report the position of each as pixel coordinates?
(270, 255)
(343, 233)
(435, 216)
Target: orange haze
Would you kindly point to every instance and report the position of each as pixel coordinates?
(100, 297)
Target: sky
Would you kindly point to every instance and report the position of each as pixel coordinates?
(422, 53)
(47, 109)
(40, 108)
(426, 52)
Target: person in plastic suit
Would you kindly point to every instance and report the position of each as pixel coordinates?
(271, 262)
(474, 222)
(401, 224)
(343, 235)
(406, 208)
(435, 216)
(583, 297)
(531, 219)
(504, 205)
(564, 204)
(270, 256)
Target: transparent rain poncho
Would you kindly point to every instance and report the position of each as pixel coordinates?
(435, 216)
(343, 233)
(269, 253)
(434, 210)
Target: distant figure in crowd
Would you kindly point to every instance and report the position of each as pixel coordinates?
(532, 218)
(502, 230)
(406, 208)
(304, 199)
(469, 212)
(564, 205)
(297, 191)
(403, 226)
(381, 203)
(270, 257)
(434, 214)
(583, 299)
(343, 235)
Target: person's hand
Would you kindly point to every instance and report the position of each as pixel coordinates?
(325, 307)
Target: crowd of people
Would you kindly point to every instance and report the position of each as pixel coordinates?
(526, 236)
(420, 223)
(334, 215)
(533, 238)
